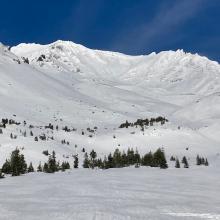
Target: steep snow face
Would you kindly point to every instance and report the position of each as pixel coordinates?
(181, 83)
(177, 72)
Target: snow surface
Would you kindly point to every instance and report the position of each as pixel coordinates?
(119, 194)
(80, 87)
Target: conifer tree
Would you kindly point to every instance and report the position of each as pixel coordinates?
(65, 166)
(177, 165)
(198, 160)
(23, 164)
(117, 160)
(17, 162)
(99, 163)
(110, 163)
(206, 162)
(86, 161)
(30, 168)
(76, 162)
(147, 160)
(105, 163)
(124, 159)
(93, 156)
(46, 168)
(159, 159)
(52, 164)
(172, 158)
(137, 158)
(185, 162)
(6, 168)
(130, 156)
(39, 168)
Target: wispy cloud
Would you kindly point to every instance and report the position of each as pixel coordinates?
(166, 22)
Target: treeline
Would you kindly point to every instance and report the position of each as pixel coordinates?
(144, 122)
(121, 159)
(16, 165)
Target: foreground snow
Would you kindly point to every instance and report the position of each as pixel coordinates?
(129, 193)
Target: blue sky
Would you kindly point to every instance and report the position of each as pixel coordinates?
(128, 26)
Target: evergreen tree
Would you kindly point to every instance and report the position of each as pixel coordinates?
(117, 160)
(124, 160)
(172, 158)
(52, 164)
(65, 166)
(30, 168)
(185, 162)
(99, 163)
(86, 161)
(137, 159)
(110, 163)
(39, 168)
(6, 168)
(76, 161)
(130, 156)
(93, 156)
(177, 165)
(206, 162)
(17, 162)
(147, 160)
(46, 168)
(105, 163)
(198, 160)
(159, 159)
(23, 165)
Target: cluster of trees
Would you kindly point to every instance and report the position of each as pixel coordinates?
(16, 165)
(65, 142)
(121, 159)
(177, 162)
(201, 161)
(52, 166)
(144, 122)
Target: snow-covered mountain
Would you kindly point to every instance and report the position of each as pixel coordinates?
(68, 84)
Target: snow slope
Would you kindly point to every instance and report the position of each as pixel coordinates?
(69, 84)
(115, 194)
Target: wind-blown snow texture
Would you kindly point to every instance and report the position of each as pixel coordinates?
(68, 84)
